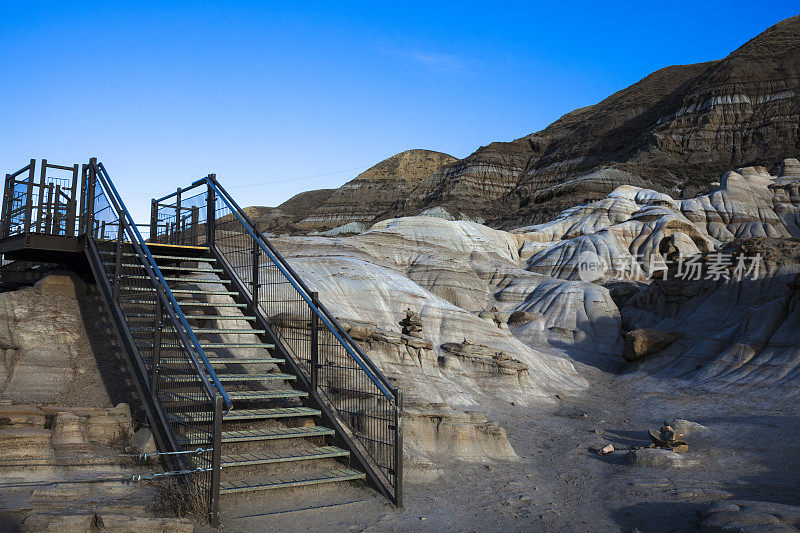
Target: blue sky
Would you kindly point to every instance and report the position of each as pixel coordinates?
(278, 98)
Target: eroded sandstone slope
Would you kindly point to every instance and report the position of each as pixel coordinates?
(506, 314)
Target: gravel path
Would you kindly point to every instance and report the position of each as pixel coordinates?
(749, 451)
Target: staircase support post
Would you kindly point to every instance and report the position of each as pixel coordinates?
(216, 459)
(314, 343)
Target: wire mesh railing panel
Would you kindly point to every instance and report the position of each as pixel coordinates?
(180, 219)
(41, 202)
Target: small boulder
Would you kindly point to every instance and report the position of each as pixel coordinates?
(69, 429)
(685, 427)
(522, 317)
(657, 458)
(790, 167)
(142, 442)
(744, 515)
(606, 449)
(640, 343)
(61, 283)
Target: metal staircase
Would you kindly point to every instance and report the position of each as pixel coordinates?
(235, 359)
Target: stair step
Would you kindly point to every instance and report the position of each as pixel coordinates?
(180, 280)
(237, 345)
(248, 435)
(167, 257)
(181, 291)
(250, 414)
(237, 331)
(232, 377)
(168, 267)
(199, 317)
(265, 394)
(211, 345)
(227, 360)
(282, 456)
(185, 303)
(209, 330)
(285, 481)
(246, 395)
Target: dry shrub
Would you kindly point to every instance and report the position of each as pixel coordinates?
(183, 498)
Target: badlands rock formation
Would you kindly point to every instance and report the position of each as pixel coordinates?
(506, 314)
(675, 132)
(363, 200)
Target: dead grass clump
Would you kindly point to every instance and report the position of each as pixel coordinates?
(182, 498)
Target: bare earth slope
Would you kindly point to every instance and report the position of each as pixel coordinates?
(362, 200)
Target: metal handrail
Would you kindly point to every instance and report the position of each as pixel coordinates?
(332, 324)
(172, 307)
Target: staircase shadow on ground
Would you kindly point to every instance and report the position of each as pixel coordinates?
(108, 355)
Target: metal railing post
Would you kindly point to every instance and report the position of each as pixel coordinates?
(216, 460)
(158, 326)
(176, 233)
(314, 344)
(118, 262)
(195, 221)
(8, 195)
(256, 259)
(398, 448)
(153, 220)
(72, 204)
(211, 213)
(82, 208)
(91, 182)
(40, 210)
(29, 199)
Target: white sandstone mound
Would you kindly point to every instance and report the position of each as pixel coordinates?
(505, 313)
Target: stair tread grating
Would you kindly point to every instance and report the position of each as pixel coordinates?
(199, 259)
(281, 456)
(169, 267)
(208, 330)
(265, 394)
(180, 280)
(228, 360)
(181, 291)
(275, 394)
(183, 303)
(245, 435)
(232, 377)
(198, 317)
(284, 481)
(250, 414)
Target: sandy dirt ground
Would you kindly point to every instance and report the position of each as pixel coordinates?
(560, 483)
